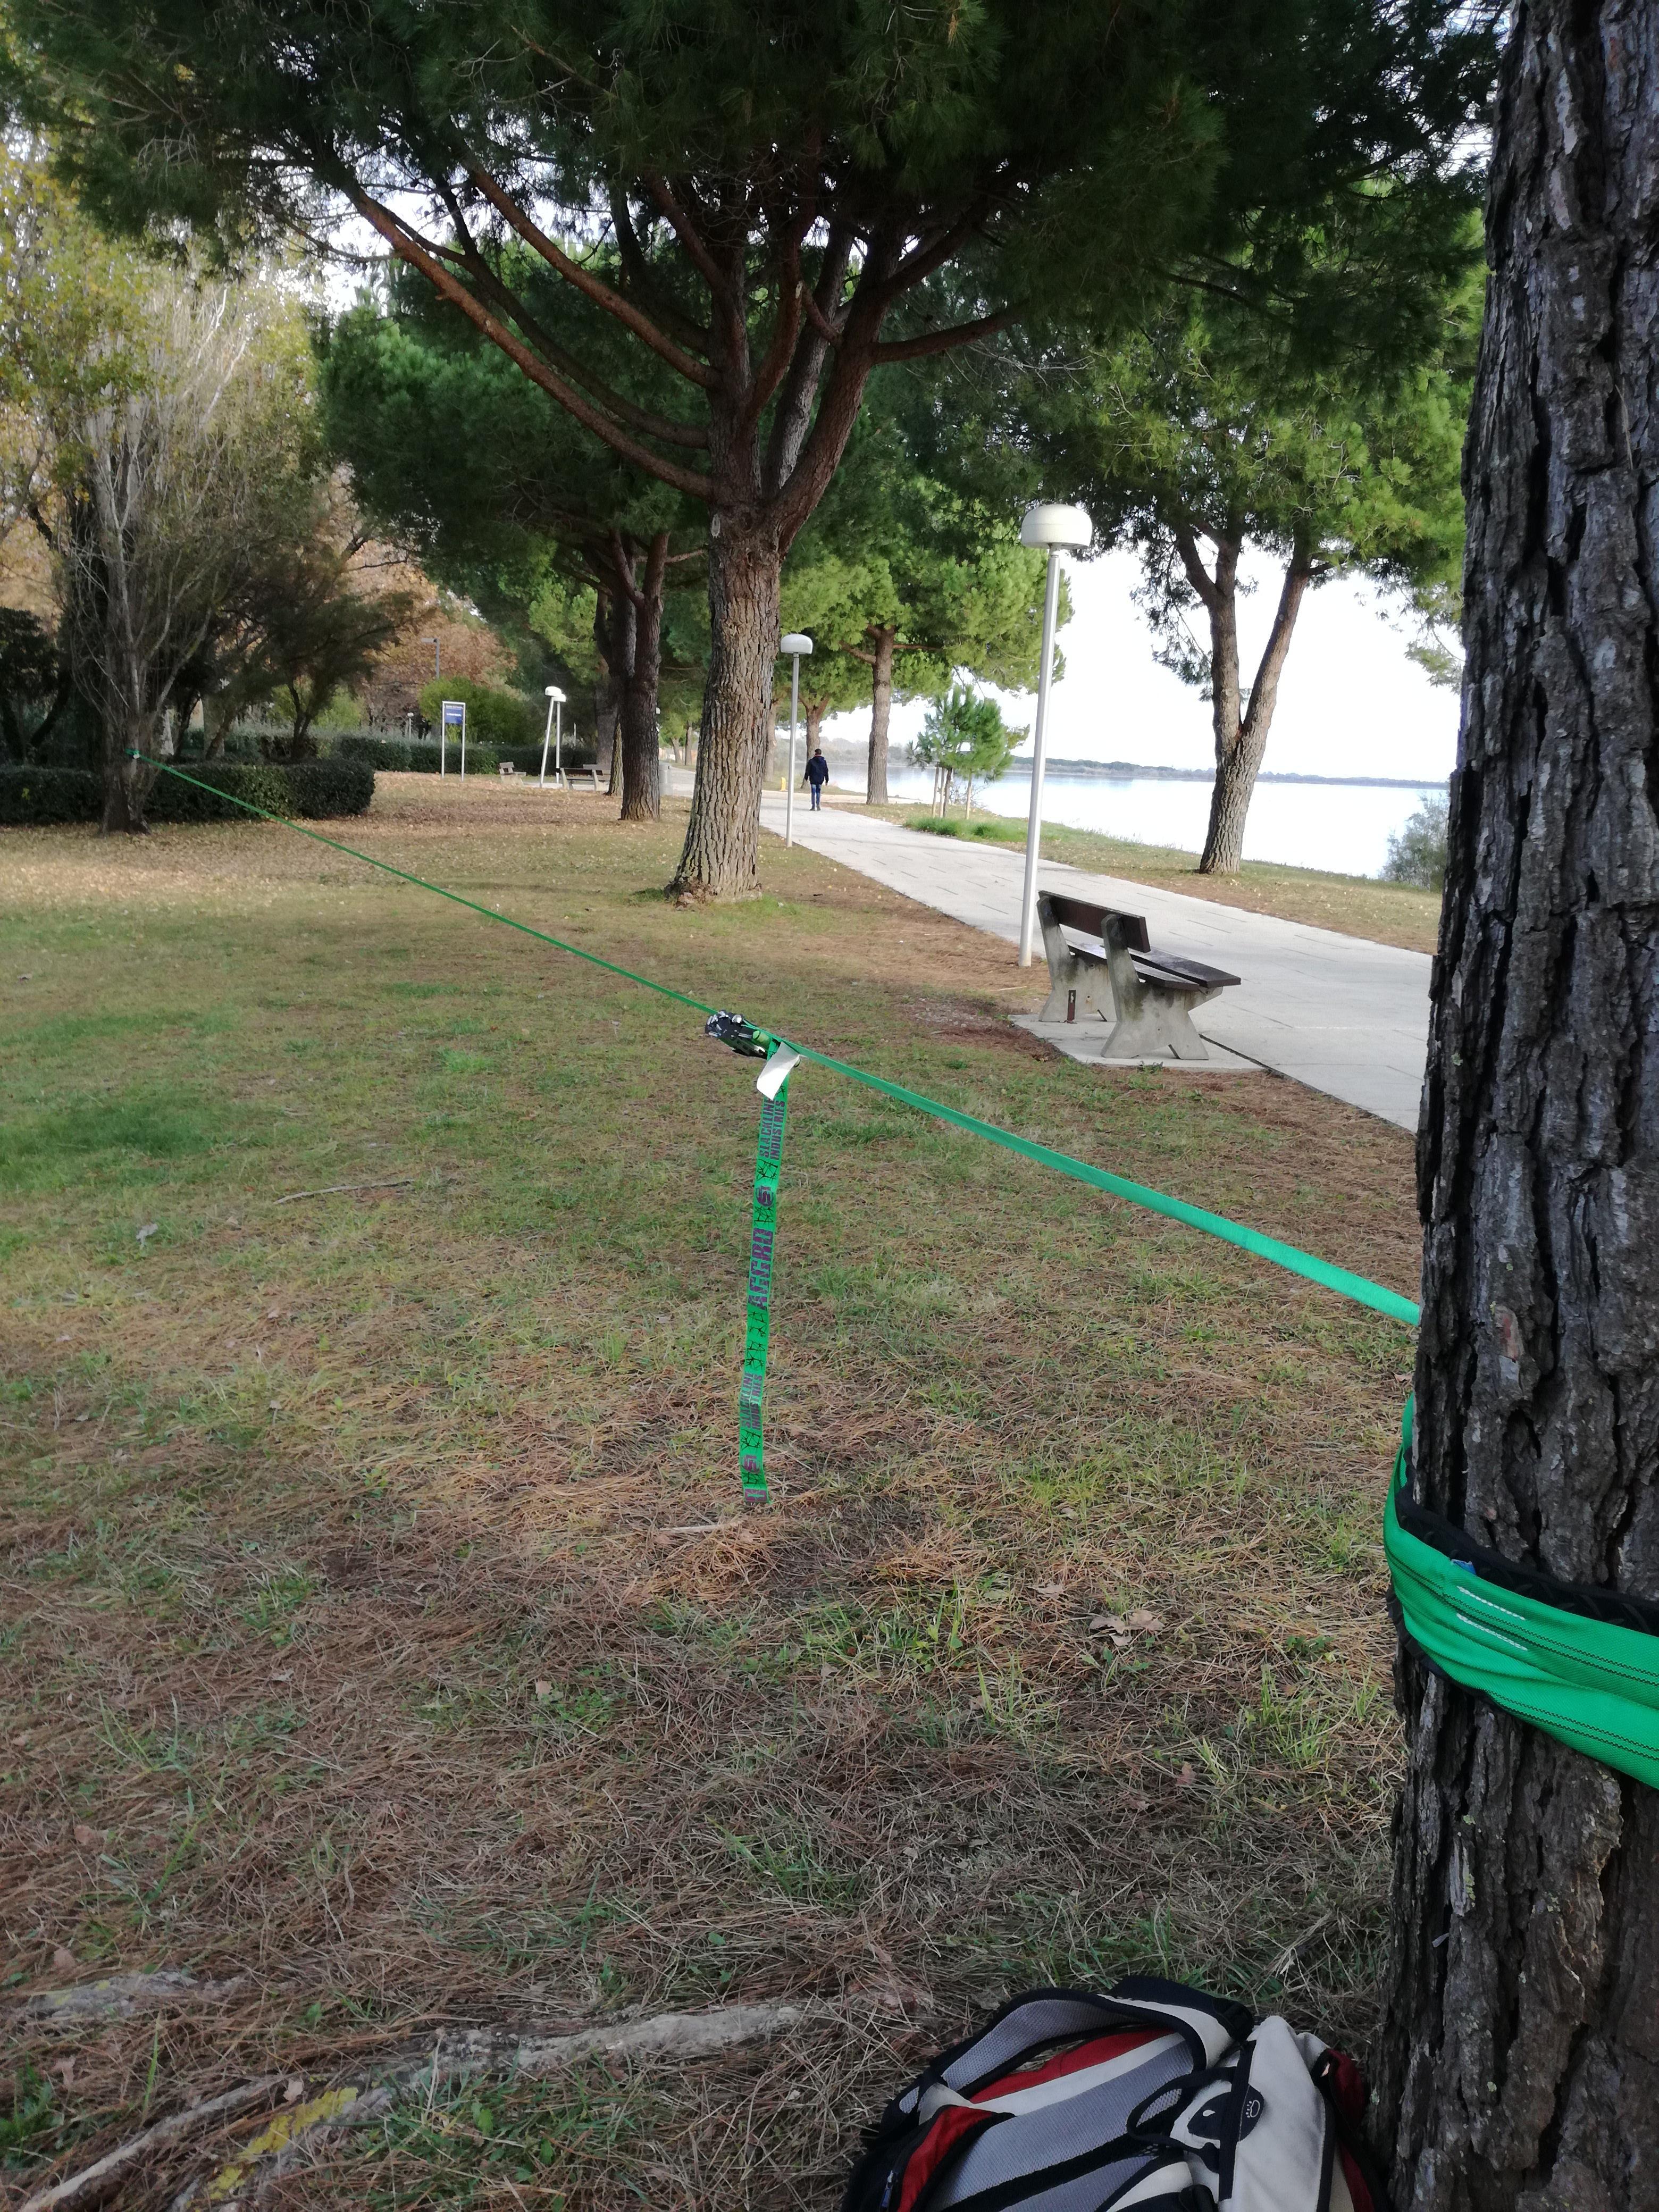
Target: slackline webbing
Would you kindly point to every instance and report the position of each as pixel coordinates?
(1288, 1256)
(758, 1334)
(1578, 1662)
(1581, 1664)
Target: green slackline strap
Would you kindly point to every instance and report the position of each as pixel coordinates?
(1294, 1262)
(490, 913)
(1287, 1256)
(1589, 1681)
(758, 1337)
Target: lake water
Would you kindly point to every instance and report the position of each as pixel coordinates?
(1343, 827)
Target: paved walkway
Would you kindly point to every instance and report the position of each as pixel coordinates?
(1341, 1014)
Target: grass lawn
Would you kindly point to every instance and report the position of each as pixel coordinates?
(1356, 906)
(383, 1645)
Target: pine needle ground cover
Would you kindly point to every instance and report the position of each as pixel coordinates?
(385, 1648)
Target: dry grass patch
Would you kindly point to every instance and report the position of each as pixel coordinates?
(383, 1640)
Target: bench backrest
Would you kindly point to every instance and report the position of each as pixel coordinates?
(1081, 914)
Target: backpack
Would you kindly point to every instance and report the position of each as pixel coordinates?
(1152, 2095)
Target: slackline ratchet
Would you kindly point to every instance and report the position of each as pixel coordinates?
(1578, 1662)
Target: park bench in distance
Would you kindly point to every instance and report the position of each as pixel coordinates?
(1101, 967)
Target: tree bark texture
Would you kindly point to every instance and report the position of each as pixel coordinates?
(641, 793)
(1519, 2059)
(721, 857)
(880, 657)
(1241, 731)
(127, 782)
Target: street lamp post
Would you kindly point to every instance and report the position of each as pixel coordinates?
(554, 722)
(798, 646)
(1049, 530)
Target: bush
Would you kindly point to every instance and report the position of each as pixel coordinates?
(527, 759)
(386, 753)
(215, 785)
(493, 717)
(323, 789)
(425, 757)
(50, 794)
(1417, 854)
(318, 790)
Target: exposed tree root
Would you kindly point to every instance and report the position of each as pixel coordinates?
(456, 2055)
(121, 1995)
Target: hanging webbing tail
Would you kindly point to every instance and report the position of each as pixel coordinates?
(1546, 1653)
(757, 1336)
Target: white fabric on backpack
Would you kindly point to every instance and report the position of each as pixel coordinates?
(1258, 2134)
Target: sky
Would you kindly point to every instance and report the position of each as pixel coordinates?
(1350, 702)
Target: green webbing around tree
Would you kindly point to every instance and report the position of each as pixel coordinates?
(757, 1336)
(1593, 1684)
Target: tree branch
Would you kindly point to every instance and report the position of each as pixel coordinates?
(626, 313)
(1264, 692)
(643, 419)
(932, 341)
(686, 231)
(409, 246)
(640, 272)
(793, 416)
(915, 268)
(1192, 562)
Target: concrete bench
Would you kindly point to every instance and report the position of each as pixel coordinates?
(1102, 967)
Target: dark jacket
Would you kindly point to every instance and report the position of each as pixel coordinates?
(818, 769)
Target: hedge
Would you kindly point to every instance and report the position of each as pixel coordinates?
(50, 794)
(317, 789)
(260, 784)
(527, 759)
(324, 788)
(422, 755)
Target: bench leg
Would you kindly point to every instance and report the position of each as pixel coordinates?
(1081, 991)
(1159, 1028)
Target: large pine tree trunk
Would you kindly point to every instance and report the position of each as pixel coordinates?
(721, 857)
(1519, 2060)
(881, 709)
(1241, 739)
(641, 748)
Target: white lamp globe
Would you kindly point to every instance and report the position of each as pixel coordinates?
(1047, 529)
(797, 642)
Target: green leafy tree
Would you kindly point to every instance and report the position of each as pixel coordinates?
(508, 500)
(912, 579)
(1202, 439)
(34, 682)
(319, 636)
(963, 740)
(793, 198)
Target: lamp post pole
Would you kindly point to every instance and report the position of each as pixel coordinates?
(554, 721)
(1048, 528)
(794, 645)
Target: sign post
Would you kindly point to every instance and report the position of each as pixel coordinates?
(455, 718)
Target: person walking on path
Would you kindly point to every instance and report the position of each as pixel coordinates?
(818, 774)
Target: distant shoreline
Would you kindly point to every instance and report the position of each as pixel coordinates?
(848, 758)
(1126, 771)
